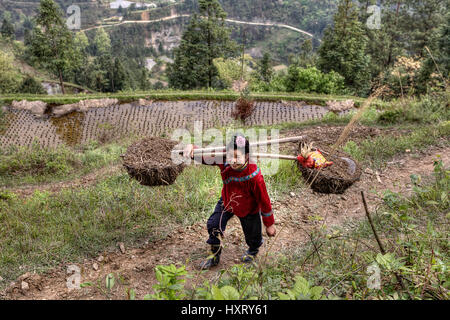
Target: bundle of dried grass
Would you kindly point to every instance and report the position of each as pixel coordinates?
(335, 178)
(243, 109)
(149, 161)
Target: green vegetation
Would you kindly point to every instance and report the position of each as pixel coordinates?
(408, 56)
(9, 77)
(51, 41)
(171, 95)
(205, 39)
(113, 59)
(35, 164)
(343, 49)
(49, 228)
(374, 152)
(430, 109)
(81, 223)
(31, 85)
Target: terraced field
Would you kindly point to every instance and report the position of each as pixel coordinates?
(22, 128)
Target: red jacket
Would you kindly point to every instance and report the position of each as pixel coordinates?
(244, 192)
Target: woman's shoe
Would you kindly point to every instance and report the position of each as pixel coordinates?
(249, 256)
(213, 261)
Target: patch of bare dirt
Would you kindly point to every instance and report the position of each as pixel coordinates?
(87, 180)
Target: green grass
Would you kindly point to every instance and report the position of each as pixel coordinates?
(376, 151)
(174, 95)
(35, 164)
(428, 109)
(414, 232)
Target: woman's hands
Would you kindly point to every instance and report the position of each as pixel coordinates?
(271, 231)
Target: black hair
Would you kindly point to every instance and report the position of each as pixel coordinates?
(232, 145)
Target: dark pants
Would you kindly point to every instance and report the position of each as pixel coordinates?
(251, 225)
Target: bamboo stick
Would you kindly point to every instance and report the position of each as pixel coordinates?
(257, 155)
(254, 144)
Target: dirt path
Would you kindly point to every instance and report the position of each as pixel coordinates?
(84, 181)
(187, 245)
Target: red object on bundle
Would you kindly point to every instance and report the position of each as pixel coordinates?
(306, 163)
(315, 160)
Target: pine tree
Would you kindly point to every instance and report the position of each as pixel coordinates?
(439, 62)
(102, 42)
(120, 77)
(264, 69)
(420, 20)
(205, 39)
(306, 58)
(343, 49)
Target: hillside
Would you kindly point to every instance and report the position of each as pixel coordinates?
(311, 16)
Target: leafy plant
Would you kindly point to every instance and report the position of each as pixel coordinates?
(224, 293)
(302, 291)
(170, 285)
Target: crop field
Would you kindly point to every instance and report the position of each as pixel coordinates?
(22, 128)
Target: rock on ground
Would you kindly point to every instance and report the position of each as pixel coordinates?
(338, 106)
(37, 108)
(83, 105)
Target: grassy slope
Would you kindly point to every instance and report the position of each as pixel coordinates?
(15, 47)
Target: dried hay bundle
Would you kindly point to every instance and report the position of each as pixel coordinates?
(335, 178)
(243, 109)
(149, 161)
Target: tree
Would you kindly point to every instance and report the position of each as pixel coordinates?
(407, 26)
(119, 77)
(264, 69)
(7, 29)
(438, 58)
(144, 83)
(306, 58)
(230, 70)
(424, 18)
(102, 42)
(52, 42)
(81, 42)
(343, 49)
(205, 39)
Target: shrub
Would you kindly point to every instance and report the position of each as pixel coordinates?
(9, 78)
(427, 109)
(31, 85)
(313, 80)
